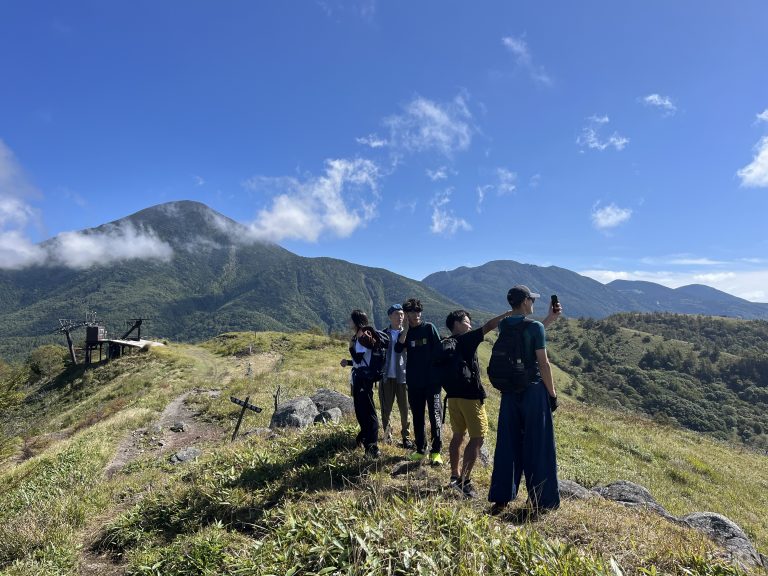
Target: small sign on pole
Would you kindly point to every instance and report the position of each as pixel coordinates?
(246, 406)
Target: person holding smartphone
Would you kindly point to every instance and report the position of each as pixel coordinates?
(525, 439)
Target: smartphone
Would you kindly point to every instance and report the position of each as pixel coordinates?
(554, 301)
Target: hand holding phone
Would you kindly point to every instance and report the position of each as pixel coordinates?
(555, 304)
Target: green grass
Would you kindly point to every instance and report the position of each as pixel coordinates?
(310, 503)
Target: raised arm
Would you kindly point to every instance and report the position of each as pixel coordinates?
(554, 314)
(493, 323)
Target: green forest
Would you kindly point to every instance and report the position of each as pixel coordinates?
(704, 373)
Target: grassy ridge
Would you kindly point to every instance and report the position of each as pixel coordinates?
(310, 503)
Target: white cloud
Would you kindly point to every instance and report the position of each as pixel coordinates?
(199, 180)
(662, 102)
(507, 181)
(372, 141)
(429, 126)
(763, 116)
(755, 174)
(505, 184)
(82, 250)
(17, 251)
(13, 181)
(609, 216)
(305, 210)
(482, 191)
(599, 119)
(443, 220)
(106, 246)
(681, 260)
(713, 277)
(440, 173)
(591, 138)
(518, 47)
(14, 212)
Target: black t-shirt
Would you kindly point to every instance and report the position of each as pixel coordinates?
(467, 344)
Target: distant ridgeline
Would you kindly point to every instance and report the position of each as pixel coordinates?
(704, 373)
(212, 277)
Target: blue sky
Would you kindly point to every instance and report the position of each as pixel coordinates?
(618, 140)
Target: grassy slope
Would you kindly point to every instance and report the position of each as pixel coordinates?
(311, 502)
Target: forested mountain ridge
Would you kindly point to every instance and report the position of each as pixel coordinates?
(485, 287)
(217, 280)
(212, 276)
(706, 374)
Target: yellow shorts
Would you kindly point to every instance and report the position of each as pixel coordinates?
(468, 415)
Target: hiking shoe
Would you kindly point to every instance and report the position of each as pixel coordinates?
(498, 508)
(435, 459)
(415, 456)
(407, 444)
(372, 451)
(468, 490)
(454, 480)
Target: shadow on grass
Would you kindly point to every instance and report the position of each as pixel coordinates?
(328, 464)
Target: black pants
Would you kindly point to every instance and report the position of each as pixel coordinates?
(428, 399)
(365, 410)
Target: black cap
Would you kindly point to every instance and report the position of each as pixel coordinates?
(519, 293)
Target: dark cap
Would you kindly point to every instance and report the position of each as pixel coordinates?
(393, 308)
(519, 293)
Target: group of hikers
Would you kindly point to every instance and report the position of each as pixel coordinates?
(412, 365)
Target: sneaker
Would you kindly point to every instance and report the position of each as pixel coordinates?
(415, 456)
(407, 444)
(498, 508)
(435, 459)
(454, 480)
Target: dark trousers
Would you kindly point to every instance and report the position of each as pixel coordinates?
(428, 399)
(365, 410)
(525, 444)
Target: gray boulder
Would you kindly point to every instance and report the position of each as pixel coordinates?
(185, 455)
(326, 399)
(179, 426)
(571, 489)
(332, 415)
(630, 494)
(296, 413)
(728, 534)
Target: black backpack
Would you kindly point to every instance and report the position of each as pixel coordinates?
(454, 373)
(507, 370)
(374, 370)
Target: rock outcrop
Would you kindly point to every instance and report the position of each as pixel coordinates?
(720, 529)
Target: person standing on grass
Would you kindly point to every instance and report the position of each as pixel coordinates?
(465, 407)
(525, 439)
(393, 386)
(361, 348)
(422, 343)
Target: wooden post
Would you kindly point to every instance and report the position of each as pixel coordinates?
(240, 419)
